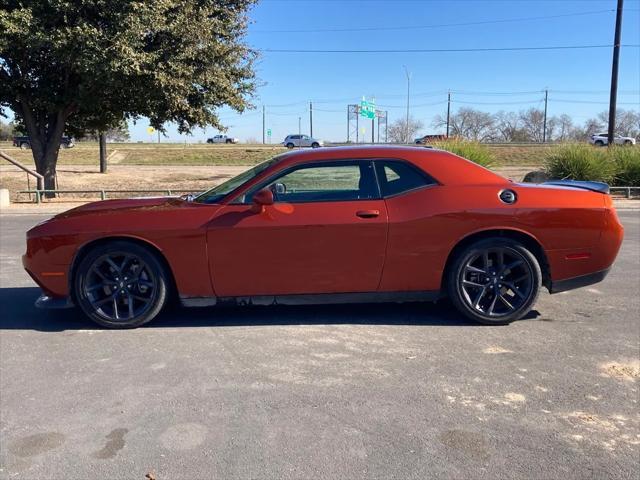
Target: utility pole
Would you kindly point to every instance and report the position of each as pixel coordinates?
(311, 119)
(614, 75)
(448, 110)
(263, 124)
(408, 88)
(299, 125)
(544, 125)
(386, 125)
(158, 136)
(373, 125)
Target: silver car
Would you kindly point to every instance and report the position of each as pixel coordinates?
(302, 141)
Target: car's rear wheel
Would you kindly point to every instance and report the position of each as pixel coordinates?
(315, 145)
(120, 285)
(290, 145)
(628, 142)
(24, 146)
(494, 281)
(228, 140)
(599, 143)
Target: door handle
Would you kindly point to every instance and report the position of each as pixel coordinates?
(368, 213)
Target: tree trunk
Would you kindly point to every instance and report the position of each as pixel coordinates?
(45, 137)
(49, 171)
(102, 138)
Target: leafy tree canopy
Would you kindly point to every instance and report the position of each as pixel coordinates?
(85, 65)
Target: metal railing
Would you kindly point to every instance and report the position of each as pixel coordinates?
(39, 178)
(102, 193)
(628, 190)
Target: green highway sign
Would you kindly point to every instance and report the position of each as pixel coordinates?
(367, 109)
(268, 132)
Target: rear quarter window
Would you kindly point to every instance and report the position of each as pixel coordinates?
(397, 177)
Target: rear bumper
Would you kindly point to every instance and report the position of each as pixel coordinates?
(578, 282)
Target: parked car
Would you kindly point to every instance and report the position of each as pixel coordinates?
(302, 141)
(222, 139)
(429, 139)
(601, 139)
(24, 143)
(350, 224)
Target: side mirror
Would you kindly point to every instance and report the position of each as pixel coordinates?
(260, 199)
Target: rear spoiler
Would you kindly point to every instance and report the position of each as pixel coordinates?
(599, 187)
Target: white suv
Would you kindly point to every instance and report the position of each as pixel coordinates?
(222, 139)
(302, 141)
(602, 139)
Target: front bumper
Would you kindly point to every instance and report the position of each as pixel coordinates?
(53, 303)
(578, 282)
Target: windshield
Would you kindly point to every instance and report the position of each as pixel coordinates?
(219, 192)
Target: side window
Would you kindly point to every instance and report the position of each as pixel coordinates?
(323, 182)
(396, 177)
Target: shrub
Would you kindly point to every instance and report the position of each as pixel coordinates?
(580, 162)
(473, 151)
(627, 162)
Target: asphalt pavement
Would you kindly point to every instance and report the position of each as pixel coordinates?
(366, 391)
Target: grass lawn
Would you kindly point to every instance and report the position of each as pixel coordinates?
(203, 154)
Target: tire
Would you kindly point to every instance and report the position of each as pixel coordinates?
(228, 141)
(290, 145)
(480, 296)
(103, 294)
(24, 146)
(628, 142)
(315, 145)
(599, 143)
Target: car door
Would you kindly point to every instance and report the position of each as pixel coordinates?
(325, 233)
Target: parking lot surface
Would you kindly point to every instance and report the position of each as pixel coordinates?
(367, 391)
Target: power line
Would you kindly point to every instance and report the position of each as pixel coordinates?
(447, 50)
(497, 103)
(562, 100)
(439, 25)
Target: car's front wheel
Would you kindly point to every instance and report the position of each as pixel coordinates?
(494, 281)
(315, 145)
(120, 285)
(599, 143)
(290, 145)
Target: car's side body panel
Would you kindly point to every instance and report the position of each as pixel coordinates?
(297, 248)
(225, 250)
(174, 228)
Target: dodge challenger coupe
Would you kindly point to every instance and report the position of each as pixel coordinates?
(338, 225)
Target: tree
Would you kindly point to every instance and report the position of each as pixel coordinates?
(118, 133)
(399, 133)
(532, 122)
(627, 122)
(469, 124)
(565, 129)
(6, 131)
(79, 66)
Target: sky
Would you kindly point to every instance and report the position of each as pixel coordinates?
(578, 80)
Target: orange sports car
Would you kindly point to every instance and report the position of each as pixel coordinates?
(334, 225)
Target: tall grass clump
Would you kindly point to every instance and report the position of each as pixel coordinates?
(580, 162)
(627, 162)
(474, 151)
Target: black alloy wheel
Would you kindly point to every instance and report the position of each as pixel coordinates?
(120, 285)
(495, 281)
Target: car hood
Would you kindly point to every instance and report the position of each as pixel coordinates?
(120, 205)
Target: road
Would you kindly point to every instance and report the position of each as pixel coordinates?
(409, 391)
